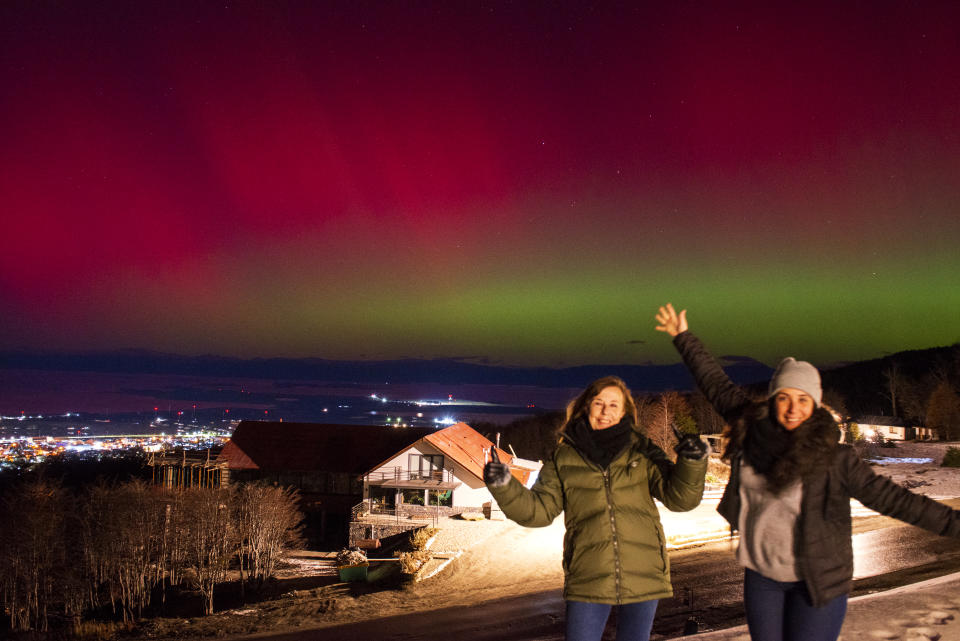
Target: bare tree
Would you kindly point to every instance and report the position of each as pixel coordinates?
(706, 418)
(943, 410)
(64, 555)
(268, 522)
(211, 541)
(912, 398)
(122, 543)
(835, 401)
(894, 383)
(175, 534)
(659, 416)
(32, 554)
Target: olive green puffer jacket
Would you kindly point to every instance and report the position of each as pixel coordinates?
(614, 549)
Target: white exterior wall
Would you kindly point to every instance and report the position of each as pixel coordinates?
(401, 460)
(888, 432)
(472, 492)
(925, 433)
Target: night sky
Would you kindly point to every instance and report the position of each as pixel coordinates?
(518, 183)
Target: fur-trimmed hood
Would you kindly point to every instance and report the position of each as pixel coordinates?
(832, 474)
(809, 445)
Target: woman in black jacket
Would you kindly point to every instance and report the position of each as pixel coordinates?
(789, 494)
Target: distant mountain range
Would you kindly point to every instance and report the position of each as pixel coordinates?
(863, 385)
(642, 378)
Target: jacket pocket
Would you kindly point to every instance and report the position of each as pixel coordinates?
(836, 505)
(569, 544)
(664, 558)
(661, 541)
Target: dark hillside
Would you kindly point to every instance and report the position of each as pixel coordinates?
(867, 386)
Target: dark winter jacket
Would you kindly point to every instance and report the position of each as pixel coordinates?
(614, 550)
(831, 474)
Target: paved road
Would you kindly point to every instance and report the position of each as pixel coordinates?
(706, 581)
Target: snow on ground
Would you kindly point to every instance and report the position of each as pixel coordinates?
(916, 466)
(889, 460)
(497, 559)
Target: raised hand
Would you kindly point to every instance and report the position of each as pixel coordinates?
(689, 446)
(495, 473)
(671, 322)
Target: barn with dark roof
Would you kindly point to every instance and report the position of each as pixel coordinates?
(336, 468)
(324, 462)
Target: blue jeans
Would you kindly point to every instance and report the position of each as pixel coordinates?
(781, 611)
(586, 621)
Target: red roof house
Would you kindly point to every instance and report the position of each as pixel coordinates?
(443, 469)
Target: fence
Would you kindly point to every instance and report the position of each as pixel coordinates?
(399, 474)
(371, 521)
(188, 469)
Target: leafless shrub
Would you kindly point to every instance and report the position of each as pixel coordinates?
(99, 630)
(658, 416)
(267, 522)
(211, 540)
(64, 555)
(174, 535)
(33, 568)
(411, 562)
(122, 532)
(420, 537)
(717, 470)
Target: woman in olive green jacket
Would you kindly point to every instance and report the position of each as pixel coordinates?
(604, 476)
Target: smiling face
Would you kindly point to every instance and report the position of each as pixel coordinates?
(793, 407)
(606, 408)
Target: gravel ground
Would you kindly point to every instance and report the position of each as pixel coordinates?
(457, 534)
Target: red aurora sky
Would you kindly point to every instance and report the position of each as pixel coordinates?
(517, 183)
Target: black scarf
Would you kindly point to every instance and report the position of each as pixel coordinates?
(600, 446)
(780, 455)
(765, 443)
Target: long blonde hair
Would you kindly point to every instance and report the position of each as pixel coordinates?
(581, 404)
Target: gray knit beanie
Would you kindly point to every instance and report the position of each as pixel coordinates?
(799, 375)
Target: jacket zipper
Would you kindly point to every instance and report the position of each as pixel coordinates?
(613, 529)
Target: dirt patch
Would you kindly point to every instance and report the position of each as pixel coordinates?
(927, 478)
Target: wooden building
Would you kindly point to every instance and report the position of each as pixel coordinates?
(324, 462)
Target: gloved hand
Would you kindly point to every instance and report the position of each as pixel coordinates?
(690, 446)
(495, 473)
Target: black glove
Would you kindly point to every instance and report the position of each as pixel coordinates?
(495, 473)
(689, 446)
